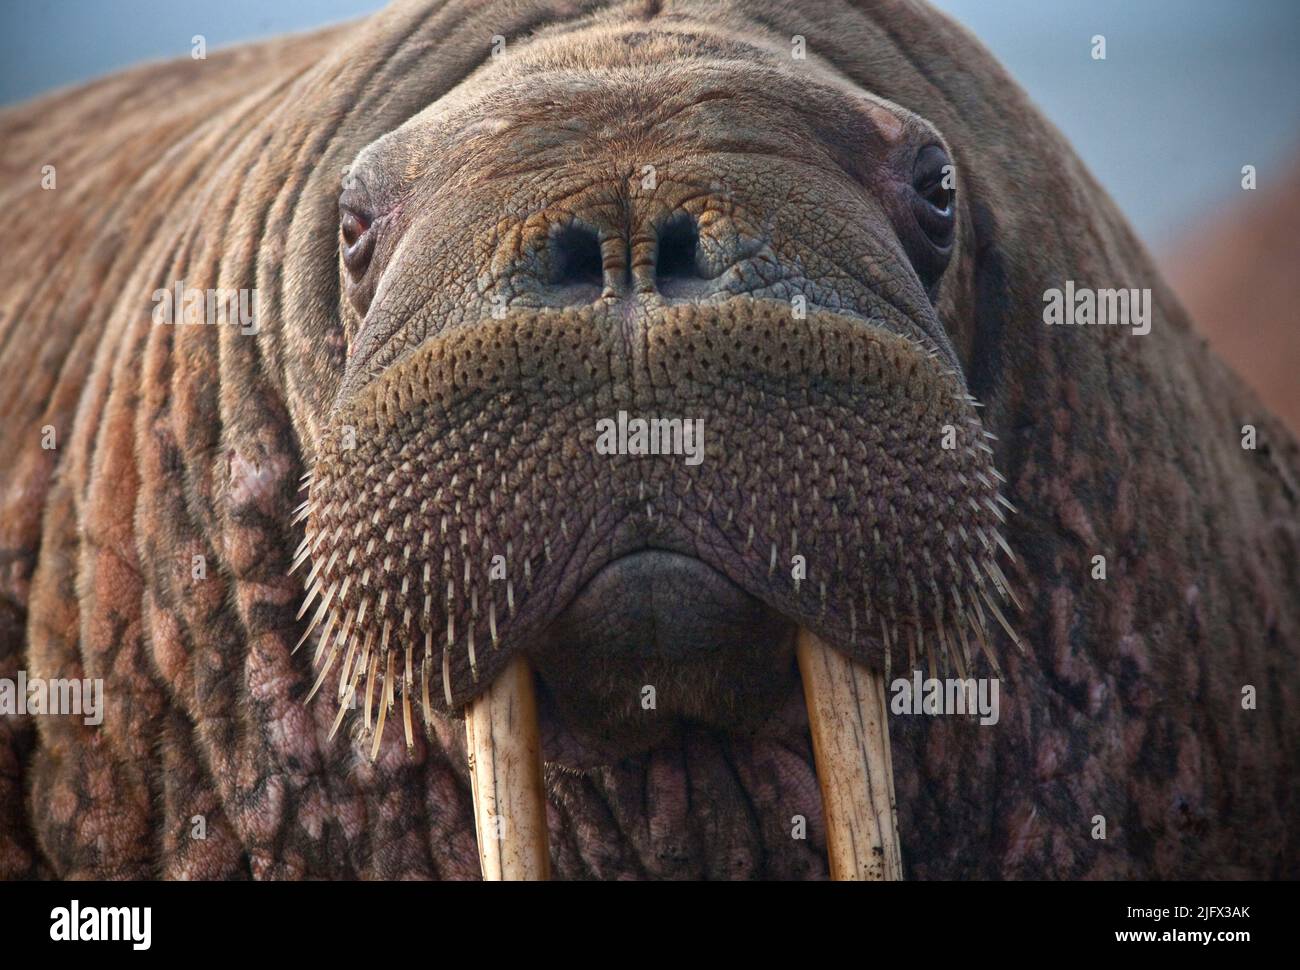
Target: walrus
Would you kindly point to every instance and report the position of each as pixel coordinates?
(634, 394)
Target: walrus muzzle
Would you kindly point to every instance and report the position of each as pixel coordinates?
(460, 503)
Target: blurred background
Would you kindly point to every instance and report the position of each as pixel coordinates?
(1189, 92)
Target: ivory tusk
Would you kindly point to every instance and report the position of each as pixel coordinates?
(847, 715)
(505, 767)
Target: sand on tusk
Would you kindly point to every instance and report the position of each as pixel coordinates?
(850, 736)
(505, 770)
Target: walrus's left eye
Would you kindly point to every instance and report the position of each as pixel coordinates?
(354, 227)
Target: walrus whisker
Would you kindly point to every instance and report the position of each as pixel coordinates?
(1002, 620)
(313, 590)
(963, 620)
(378, 736)
(954, 648)
(338, 717)
(891, 641)
(473, 659)
(994, 577)
(981, 637)
(1000, 578)
(371, 672)
(320, 614)
(407, 685)
(324, 640)
(312, 585)
(389, 682)
(995, 510)
(324, 671)
(947, 647)
(347, 698)
(997, 537)
(426, 709)
(347, 667)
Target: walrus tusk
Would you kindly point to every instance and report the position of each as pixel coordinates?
(850, 736)
(505, 770)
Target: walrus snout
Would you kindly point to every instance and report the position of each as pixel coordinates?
(461, 500)
(464, 498)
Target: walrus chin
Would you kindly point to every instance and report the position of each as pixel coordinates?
(459, 506)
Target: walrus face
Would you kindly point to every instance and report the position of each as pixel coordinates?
(746, 259)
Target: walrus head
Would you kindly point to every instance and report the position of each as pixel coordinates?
(673, 229)
(634, 380)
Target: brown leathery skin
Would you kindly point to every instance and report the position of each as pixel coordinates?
(183, 441)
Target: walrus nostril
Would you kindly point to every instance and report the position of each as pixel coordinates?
(575, 257)
(678, 240)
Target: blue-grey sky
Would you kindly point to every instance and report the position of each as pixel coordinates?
(1189, 92)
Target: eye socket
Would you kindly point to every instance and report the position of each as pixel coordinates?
(357, 239)
(934, 198)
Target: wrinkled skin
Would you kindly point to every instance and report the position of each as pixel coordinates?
(182, 441)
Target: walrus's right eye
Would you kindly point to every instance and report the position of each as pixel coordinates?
(354, 227)
(928, 235)
(932, 183)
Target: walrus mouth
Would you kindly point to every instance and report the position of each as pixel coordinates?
(461, 505)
